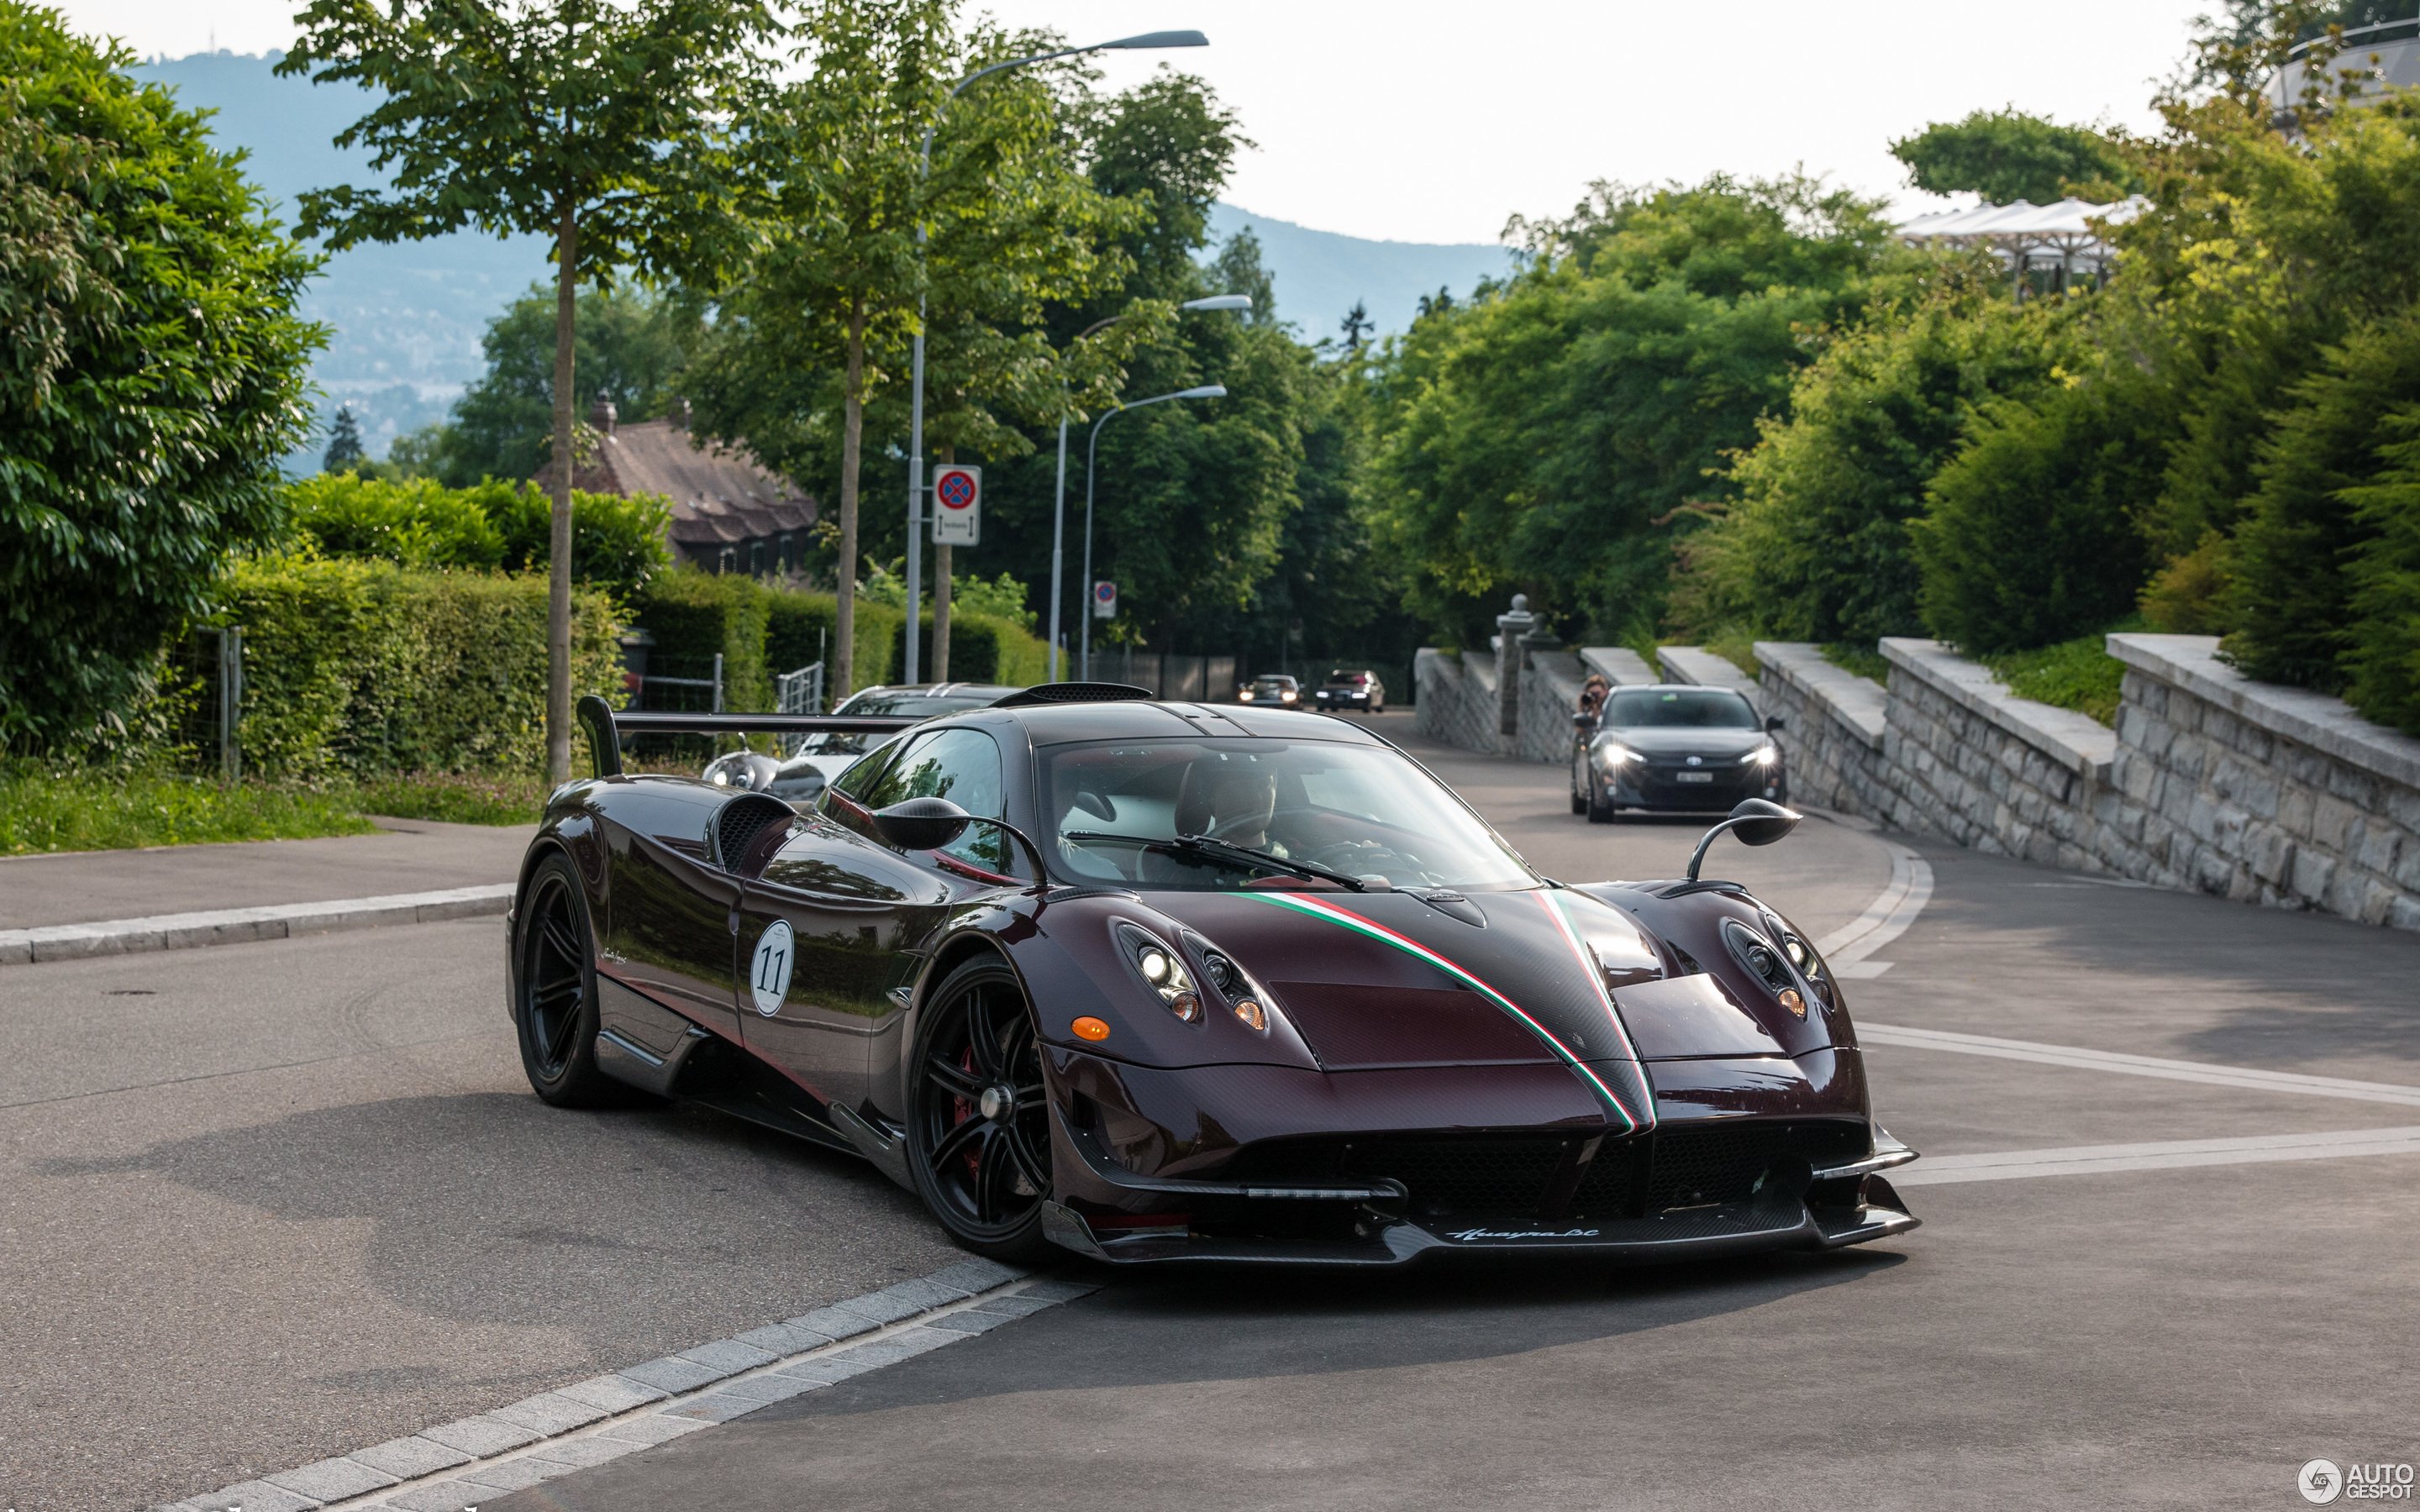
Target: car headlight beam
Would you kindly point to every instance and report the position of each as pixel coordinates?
(1609, 755)
(1162, 970)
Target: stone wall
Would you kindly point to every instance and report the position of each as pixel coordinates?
(1695, 664)
(2261, 794)
(1832, 727)
(1455, 699)
(1550, 692)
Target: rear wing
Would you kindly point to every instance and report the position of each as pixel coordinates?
(606, 726)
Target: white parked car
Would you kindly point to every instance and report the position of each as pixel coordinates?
(801, 779)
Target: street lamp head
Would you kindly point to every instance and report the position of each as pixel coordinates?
(1207, 391)
(1220, 301)
(1151, 39)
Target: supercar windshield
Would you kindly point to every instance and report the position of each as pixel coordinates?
(1191, 813)
(1692, 708)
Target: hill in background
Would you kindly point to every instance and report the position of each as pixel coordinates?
(405, 320)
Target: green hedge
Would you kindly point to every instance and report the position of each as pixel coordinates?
(367, 668)
(763, 631)
(617, 542)
(984, 648)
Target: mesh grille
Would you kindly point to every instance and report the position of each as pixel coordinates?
(1463, 1175)
(742, 820)
(1721, 1163)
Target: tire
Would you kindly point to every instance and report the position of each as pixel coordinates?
(1599, 807)
(555, 992)
(1579, 799)
(984, 1175)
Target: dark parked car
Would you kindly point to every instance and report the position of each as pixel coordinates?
(1674, 749)
(1272, 690)
(1349, 689)
(1157, 981)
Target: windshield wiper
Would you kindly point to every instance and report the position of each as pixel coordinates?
(1241, 857)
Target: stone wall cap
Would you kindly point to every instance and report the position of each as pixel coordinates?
(1696, 664)
(1618, 665)
(1561, 669)
(1854, 701)
(2324, 723)
(2074, 740)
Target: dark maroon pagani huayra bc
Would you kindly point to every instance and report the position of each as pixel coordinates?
(1165, 981)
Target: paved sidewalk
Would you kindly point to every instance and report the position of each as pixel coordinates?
(411, 856)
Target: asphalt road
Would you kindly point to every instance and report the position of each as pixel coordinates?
(2159, 1337)
(296, 1199)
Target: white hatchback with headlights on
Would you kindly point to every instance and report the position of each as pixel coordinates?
(1674, 748)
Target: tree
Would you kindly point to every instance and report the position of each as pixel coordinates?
(151, 374)
(2006, 156)
(344, 443)
(629, 345)
(828, 308)
(602, 125)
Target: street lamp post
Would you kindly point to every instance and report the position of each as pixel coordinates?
(1207, 391)
(916, 382)
(1059, 494)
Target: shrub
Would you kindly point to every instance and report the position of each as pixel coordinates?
(2382, 666)
(800, 629)
(2292, 612)
(2032, 539)
(982, 649)
(151, 374)
(617, 542)
(366, 667)
(2078, 674)
(694, 616)
(2189, 595)
(1816, 545)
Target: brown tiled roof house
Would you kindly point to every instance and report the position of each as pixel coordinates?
(730, 514)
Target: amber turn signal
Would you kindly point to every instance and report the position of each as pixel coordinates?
(1790, 1000)
(1090, 1029)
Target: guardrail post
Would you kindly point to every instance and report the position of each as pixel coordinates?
(718, 682)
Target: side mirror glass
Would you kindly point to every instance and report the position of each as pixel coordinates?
(1772, 725)
(920, 824)
(1757, 821)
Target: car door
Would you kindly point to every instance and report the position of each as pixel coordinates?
(668, 934)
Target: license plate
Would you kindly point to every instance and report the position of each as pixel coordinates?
(1693, 777)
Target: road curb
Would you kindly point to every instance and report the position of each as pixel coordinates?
(591, 1422)
(239, 926)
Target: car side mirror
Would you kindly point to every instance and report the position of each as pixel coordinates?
(1754, 821)
(1772, 725)
(920, 824)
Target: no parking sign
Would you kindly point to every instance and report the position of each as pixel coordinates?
(1105, 601)
(957, 506)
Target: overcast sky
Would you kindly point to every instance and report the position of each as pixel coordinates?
(1420, 121)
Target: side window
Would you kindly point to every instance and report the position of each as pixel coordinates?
(859, 778)
(962, 765)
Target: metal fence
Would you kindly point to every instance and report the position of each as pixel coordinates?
(687, 684)
(201, 688)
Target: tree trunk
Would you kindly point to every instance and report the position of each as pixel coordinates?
(558, 570)
(941, 595)
(852, 431)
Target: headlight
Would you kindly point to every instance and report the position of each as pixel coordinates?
(1244, 697)
(1610, 755)
(1163, 971)
(1286, 697)
(1250, 1003)
(1761, 756)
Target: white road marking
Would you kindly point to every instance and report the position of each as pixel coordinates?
(2241, 1077)
(2168, 1154)
(1846, 949)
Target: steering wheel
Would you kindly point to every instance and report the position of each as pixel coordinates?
(1360, 856)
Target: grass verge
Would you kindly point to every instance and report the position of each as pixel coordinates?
(2078, 674)
(44, 809)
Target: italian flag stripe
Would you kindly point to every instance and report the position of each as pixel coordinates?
(1318, 908)
(1552, 905)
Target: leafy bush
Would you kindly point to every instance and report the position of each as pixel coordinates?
(2292, 613)
(366, 667)
(1816, 545)
(798, 629)
(616, 542)
(982, 649)
(2382, 669)
(151, 374)
(1867, 661)
(2031, 539)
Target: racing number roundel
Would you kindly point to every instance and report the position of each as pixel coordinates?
(768, 975)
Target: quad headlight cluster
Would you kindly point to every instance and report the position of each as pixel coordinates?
(1162, 968)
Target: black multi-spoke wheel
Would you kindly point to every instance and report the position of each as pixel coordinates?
(554, 998)
(978, 1126)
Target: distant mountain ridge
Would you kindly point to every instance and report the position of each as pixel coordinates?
(406, 319)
